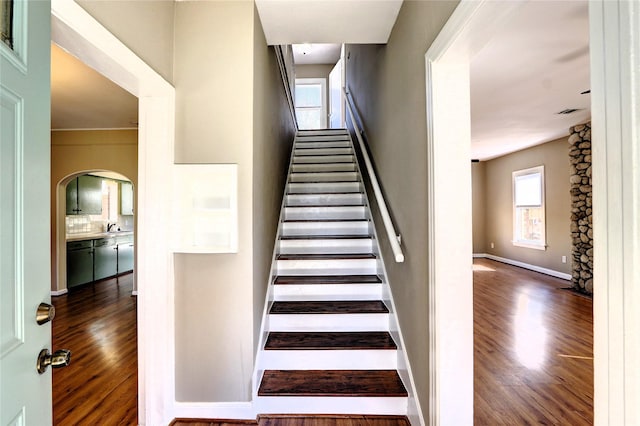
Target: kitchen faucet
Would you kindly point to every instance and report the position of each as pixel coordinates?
(110, 226)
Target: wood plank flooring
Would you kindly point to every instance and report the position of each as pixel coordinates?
(294, 420)
(97, 322)
(533, 349)
(533, 344)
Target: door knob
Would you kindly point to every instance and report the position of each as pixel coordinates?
(60, 358)
(45, 313)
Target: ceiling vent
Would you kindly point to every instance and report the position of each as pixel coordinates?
(568, 111)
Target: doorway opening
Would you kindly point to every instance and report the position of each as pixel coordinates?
(95, 304)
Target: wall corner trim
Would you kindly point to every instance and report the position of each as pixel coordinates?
(529, 266)
(59, 292)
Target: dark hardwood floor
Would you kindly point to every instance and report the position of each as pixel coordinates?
(293, 420)
(533, 355)
(97, 323)
(533, 349)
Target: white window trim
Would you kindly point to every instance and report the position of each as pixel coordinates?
(323, 83)
(525, 243)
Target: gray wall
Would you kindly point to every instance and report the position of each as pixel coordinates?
(499, 208)
(388, 83)
(213, 76)
(273, 132)
(478, 191)
(146, 27)
(230, 108)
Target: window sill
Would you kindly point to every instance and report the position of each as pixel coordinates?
(530, 245)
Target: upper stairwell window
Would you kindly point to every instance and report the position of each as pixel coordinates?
(6, 22)
(311, 103)
(528, 208)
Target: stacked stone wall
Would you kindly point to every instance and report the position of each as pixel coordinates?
(581, 208)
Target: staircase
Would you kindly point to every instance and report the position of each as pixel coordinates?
(327, 342)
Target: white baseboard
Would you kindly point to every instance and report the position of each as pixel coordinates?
(214, 410)
(134, 293)
(535, 268)
(59, 292)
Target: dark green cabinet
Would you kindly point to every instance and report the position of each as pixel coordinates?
(125, 253)
(84, 195)
(98, 258)
(105, 258)
(79, 263)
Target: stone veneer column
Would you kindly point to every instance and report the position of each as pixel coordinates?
(581, 211)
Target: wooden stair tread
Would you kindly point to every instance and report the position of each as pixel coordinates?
(330, 307)
(316, 194)
(321, 193)
(325, 220)
(277, 340)
(321, 256)
(326, 279)
(316, 206)
(365, 383)
(325, 237)
(328, 182)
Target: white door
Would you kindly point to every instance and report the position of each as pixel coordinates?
(335, 96)
(25, 274)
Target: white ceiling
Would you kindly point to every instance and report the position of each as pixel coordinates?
(316, 53)
(81, 98)
(327, 21)
(535, 67)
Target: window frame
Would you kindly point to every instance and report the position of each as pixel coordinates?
(533, 244)
(323, 88)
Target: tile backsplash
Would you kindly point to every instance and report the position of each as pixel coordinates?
(82, 224)
(87, 224)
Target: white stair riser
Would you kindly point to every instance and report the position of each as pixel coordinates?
(324, 213)
(328, 322)
(324, 177)
(364, 245)
(318, 293)
(323, 159)
(327, 167)
(382, 359)
(327, 267)
(323, 144)
(321, 151)
(353, 199)
(310, 188)
(290, 229)
(333, 405)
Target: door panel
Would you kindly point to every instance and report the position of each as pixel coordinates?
(335, 96)
(25, 277)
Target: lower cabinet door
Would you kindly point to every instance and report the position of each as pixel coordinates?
(125, 257)
(106, 259)
(79, 267)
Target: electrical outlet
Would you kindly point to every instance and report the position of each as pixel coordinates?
(564, 259)
(493, 245)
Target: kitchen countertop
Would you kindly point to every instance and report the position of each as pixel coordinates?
(97, 235)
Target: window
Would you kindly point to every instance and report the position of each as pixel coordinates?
(311, 105)
(6, 22)
(528, 208)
